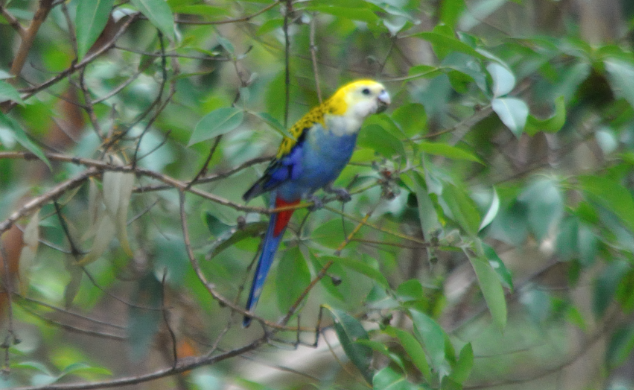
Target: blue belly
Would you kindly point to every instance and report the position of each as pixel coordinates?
(324, 156)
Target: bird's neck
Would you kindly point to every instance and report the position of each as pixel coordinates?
(342, 124)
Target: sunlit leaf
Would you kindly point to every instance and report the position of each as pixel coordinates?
(503, 79)
(491, 212)
(513, 113)
(621, 76)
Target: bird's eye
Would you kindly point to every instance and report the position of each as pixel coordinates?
(365, 91)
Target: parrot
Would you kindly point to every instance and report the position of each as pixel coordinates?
(321, 145)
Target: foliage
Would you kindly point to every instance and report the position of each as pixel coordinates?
(488, 241)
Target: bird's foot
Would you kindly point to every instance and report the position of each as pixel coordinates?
(318, 203)
(341, 193)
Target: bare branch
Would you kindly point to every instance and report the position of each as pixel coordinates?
(28, 37)
(13, 22)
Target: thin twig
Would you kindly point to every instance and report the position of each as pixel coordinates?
(13, 22)
(203, 169)
(28, 37)
(287, 61)
(229, 21)
(313, 55)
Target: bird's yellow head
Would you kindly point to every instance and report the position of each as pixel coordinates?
(359, 98)
(344, 111)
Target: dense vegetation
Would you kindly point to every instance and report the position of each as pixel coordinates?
(489, 239)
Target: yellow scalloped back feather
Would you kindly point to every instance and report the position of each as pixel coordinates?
(335, 105)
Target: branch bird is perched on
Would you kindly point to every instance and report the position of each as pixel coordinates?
(324, 141)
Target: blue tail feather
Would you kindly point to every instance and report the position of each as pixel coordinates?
(269, 247)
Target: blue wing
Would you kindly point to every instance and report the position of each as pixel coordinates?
(280, 170)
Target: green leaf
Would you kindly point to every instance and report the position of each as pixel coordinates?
(410, 290)
(412, 119)
(274, 124)
(443, 44)
(621, 77)
(424, 71)
(8, 92)
(611, 195)
(466, 68)
(293, 276)
(91, 19)
(606, 286)
(348, 331)
(492, 212)
(388, 379)
(545, 206)
(432, 336)
(33, 365)
(360, 267)
(414, 349)
(14, 128)
(452, 152)
(462, 208)
(159, 14)
(549, 125)
(215, 225)
(503, 79)
(450, 11)
(217, 122)
(462, 369)
(377, 138)
(513, 113)
(83, 368)
(235, 235)
(491, 289)
(426, 211)
(620, 347)
(330, 234)
(498, 265)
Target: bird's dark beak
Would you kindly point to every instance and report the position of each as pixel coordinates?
(383, 101)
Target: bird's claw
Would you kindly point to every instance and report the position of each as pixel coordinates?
(318, 203)
(342, 194)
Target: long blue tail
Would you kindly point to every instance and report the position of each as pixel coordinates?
(274, 234)
(264, 265)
